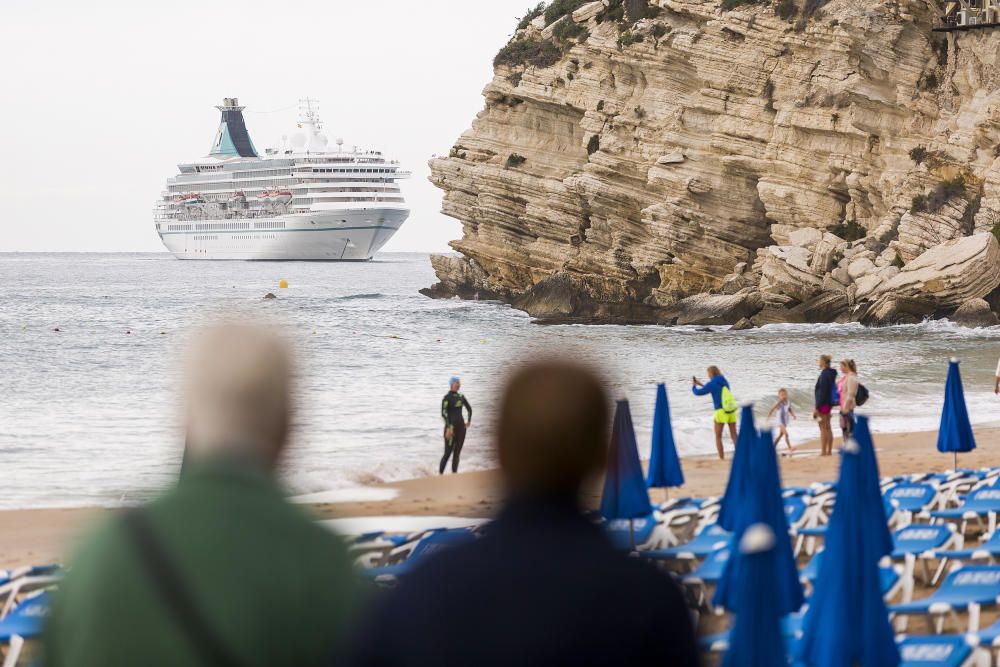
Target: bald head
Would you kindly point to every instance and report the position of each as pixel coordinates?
(553, 429)
(237, 384)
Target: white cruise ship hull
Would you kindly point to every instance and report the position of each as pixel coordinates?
(334, 235)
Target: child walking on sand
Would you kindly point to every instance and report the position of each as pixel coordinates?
(784, 409)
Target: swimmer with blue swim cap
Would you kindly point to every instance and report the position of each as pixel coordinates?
(454, 424)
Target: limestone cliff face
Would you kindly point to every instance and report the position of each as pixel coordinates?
(730, 163)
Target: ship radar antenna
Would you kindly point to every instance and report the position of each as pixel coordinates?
(309, 113)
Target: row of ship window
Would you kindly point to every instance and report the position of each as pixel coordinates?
(224, 226)
(238, 237)
(302, 201)
(329, 198)
(257, 183)
(316, 170)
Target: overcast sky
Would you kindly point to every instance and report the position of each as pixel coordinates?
(101, 100)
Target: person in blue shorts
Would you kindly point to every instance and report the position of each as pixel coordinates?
(722, 401)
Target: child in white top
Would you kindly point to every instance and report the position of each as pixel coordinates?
(785, 412)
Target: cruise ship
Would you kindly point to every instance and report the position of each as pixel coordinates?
(302, 201)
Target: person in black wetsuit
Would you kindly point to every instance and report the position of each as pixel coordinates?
(542, 586)
(454, 424)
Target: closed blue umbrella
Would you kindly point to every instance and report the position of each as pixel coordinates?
(739, 471)
(762, 505)
(664, 464)
(625, 495)
(872, 488)
(755, 640)
(955, 433)
(847, 623)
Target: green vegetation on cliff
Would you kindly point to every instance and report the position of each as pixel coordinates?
(530, 16)
(539, 53)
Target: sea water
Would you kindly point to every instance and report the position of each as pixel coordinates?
(89, 414)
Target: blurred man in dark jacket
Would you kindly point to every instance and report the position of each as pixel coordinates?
(543, 586)
(221, 570)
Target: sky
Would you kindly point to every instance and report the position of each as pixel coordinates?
(101, 100)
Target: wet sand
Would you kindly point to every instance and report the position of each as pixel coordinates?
(47, 535)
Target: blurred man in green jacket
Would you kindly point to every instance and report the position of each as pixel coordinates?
(220, 570)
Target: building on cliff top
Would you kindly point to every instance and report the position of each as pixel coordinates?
(969, 14)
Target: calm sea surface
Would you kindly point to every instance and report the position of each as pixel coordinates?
(88, 415)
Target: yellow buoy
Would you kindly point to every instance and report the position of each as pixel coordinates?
(283, 284)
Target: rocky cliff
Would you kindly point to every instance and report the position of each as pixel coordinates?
(678, 161)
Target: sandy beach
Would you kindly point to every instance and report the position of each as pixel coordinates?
(35, 536)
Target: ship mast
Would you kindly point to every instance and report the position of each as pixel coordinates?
(309, 119)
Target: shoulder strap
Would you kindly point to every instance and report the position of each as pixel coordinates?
(174, 593)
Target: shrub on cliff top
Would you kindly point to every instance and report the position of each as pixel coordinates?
(628, 38)
(944, 191)
(539, 53)
(567, 29)
(729, 5)
(593, 145)
(530, 16)
(811, 7)
(941, 50)
(939, 196)
(640, 9)
(928, 82)
(849, 230)
(560, 8)
(515, 160)
(615, 11)
(786, 9)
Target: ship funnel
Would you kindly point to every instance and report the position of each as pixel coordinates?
(232, 139)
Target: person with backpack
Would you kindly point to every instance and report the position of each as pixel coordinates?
(723, 402)
(852, 394)
(825, 397)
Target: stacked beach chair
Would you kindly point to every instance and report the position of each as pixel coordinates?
(24, 604)
(942, 578)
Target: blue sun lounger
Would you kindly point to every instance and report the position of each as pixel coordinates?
(684, 503)
(625, 538)
(989, 638)
(921, 542)
(889, 578)
(935, 651)
(983, 502)
(791, 632)
(807, 536)
(795, 509)
(707, 574)
(709, 539)
(24, 622)
(921, 539)
(910, 499)
(965, 589)
(431, 544)
(16, 583)
(986, 551)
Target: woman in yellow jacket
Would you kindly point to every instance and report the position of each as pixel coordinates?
(723, 402)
